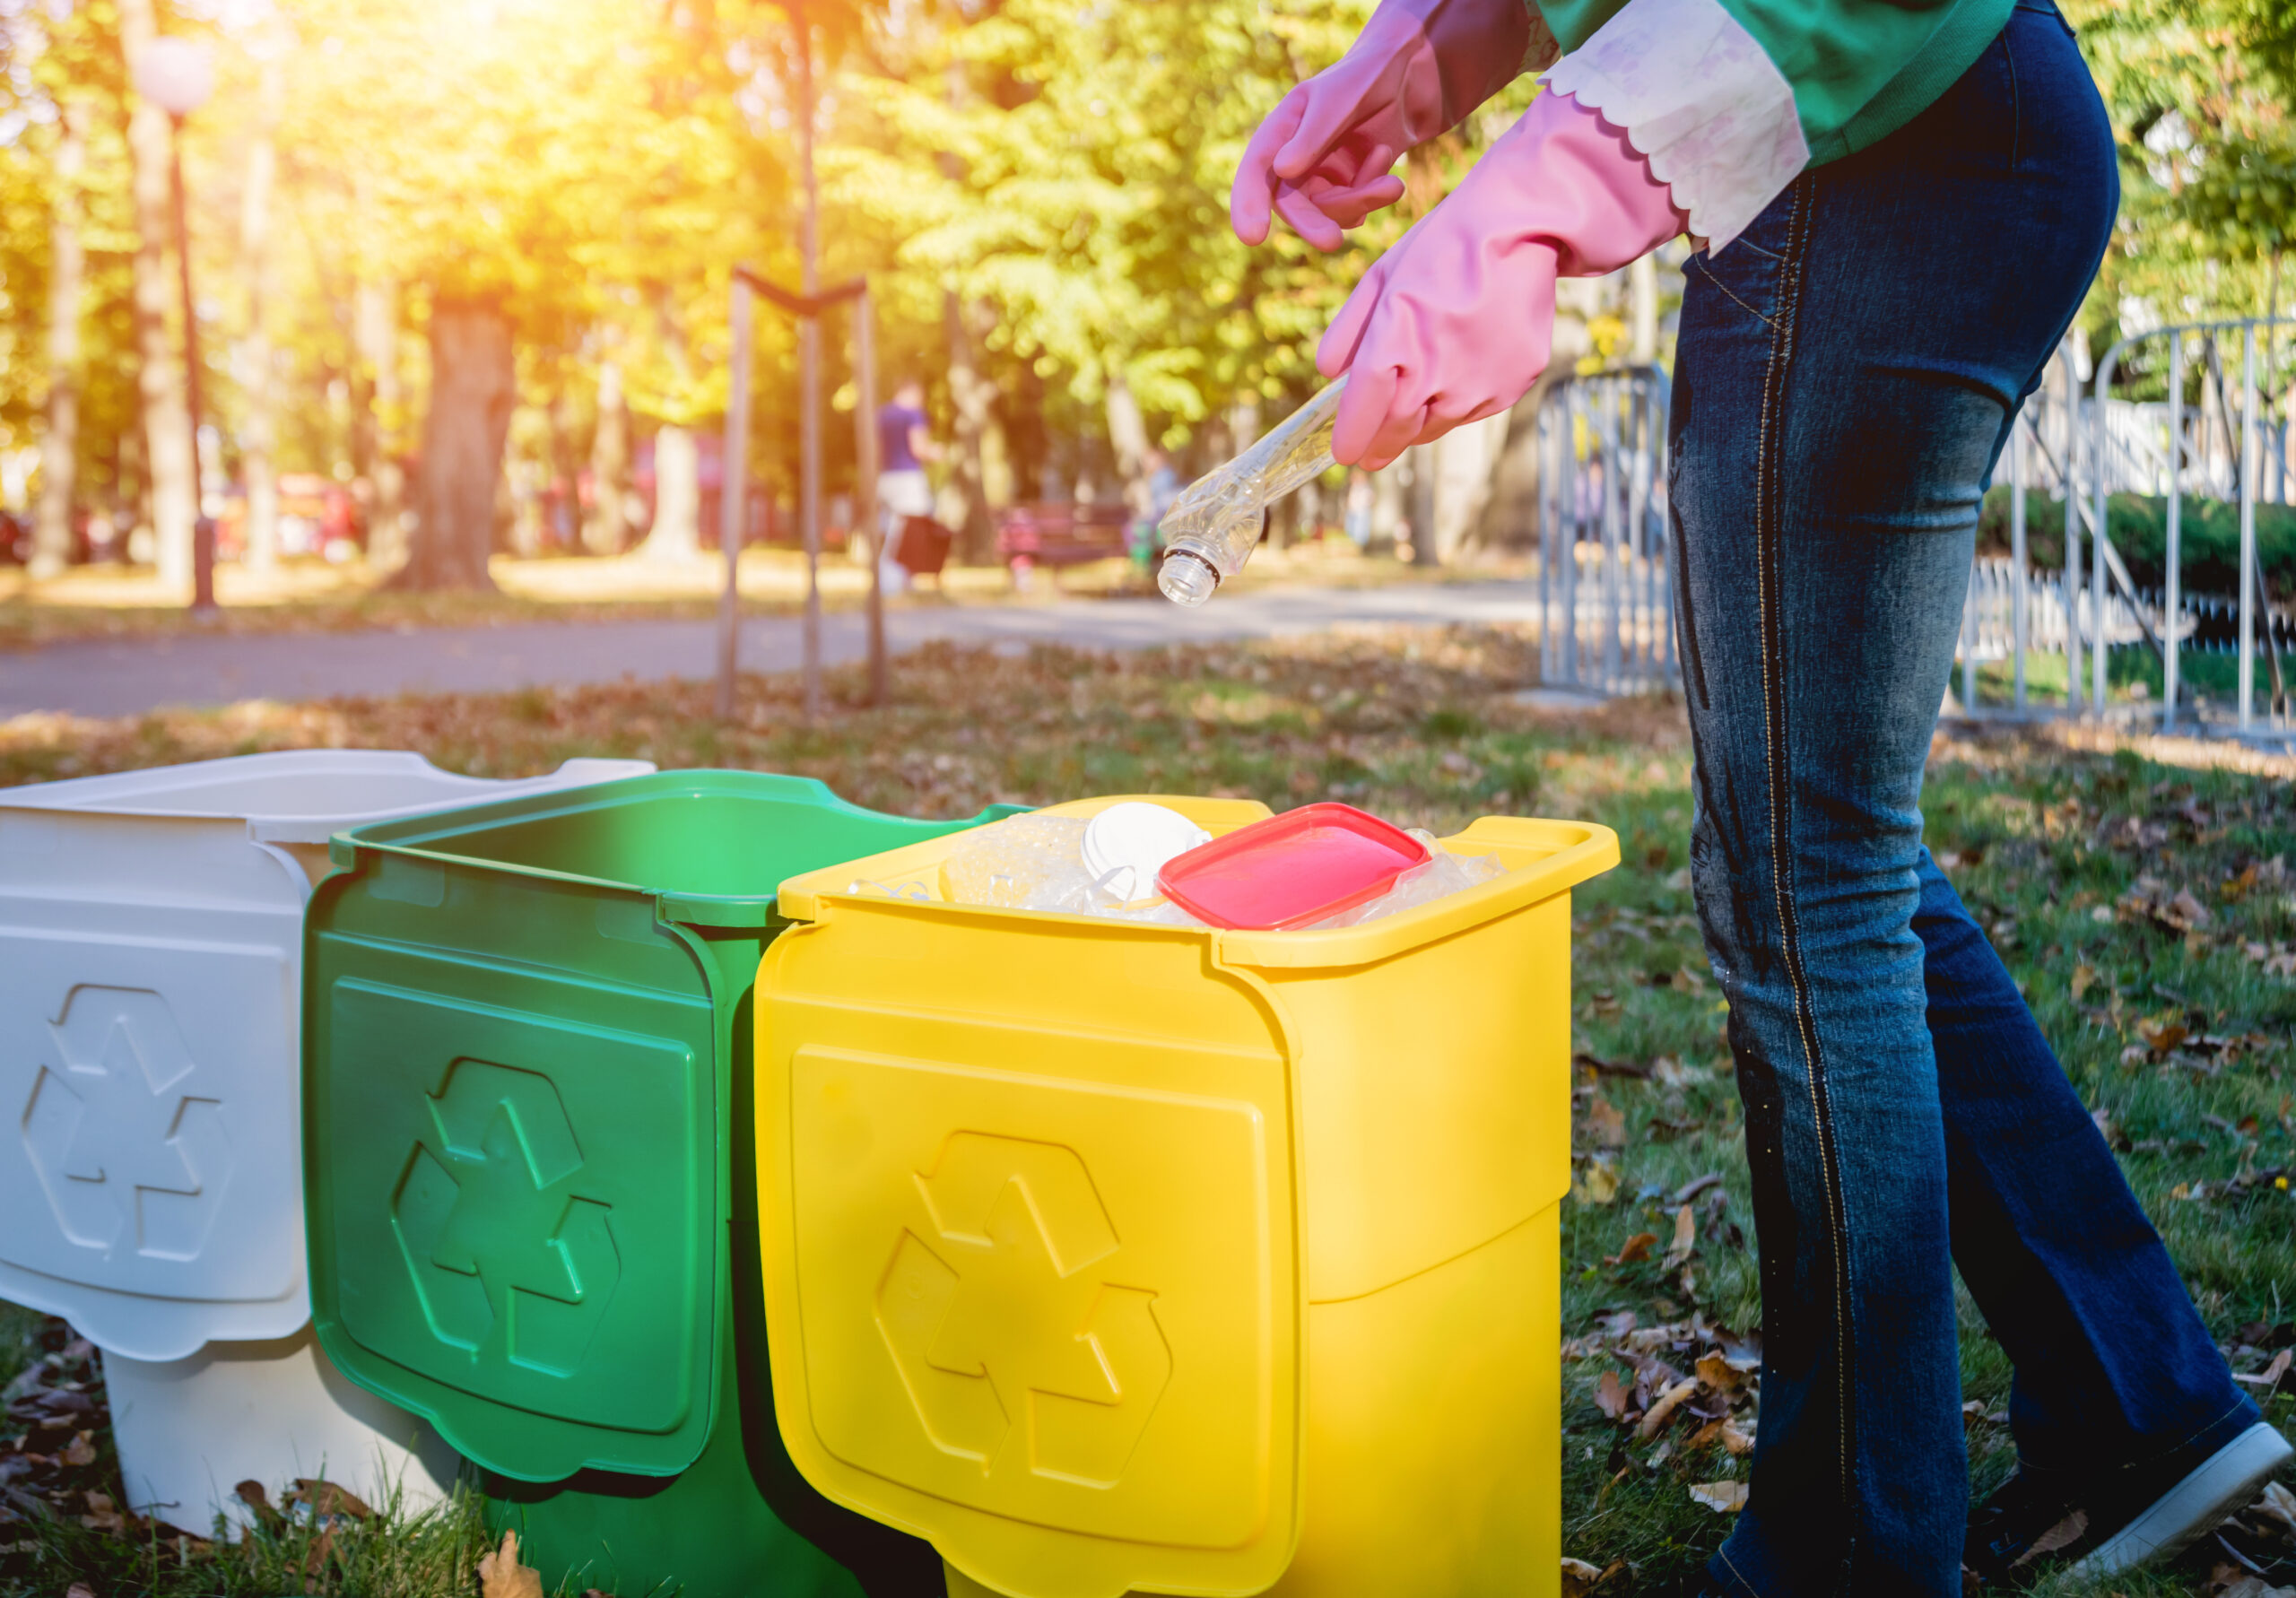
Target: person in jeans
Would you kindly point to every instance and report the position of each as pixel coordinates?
(1897, 206)
(904, 445)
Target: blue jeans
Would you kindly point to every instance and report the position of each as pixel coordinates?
(1847, 375)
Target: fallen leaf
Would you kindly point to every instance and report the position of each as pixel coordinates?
(326, 1498)
(1662, 1409)
(80, 1451)
(79, 1589)
(2063, 1534)
(501, 1576)
(2190, 911)
(259, 1502)
(1613, 1397)
(1724, 1497)
(2085, 977)
(1638, 1247)
(1685, 1238)
(1605, 1125)
(2268, 1378)
(1714, 1369)
(1579, 1577)
(1598, 1183)
(2279, 1502)
(1696, 1185)
(1737, 1439)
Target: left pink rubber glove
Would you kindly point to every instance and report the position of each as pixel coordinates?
(1456, 321)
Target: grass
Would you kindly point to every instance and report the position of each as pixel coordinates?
(2177, 1031)
(2208, 683)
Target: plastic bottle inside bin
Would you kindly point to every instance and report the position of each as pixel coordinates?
(1213, 526)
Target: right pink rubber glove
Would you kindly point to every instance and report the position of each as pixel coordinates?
(1320, 160)
(1455, 322)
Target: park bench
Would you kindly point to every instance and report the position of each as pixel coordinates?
(1059, 535)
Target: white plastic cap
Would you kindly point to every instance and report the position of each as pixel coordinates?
(1126, 845)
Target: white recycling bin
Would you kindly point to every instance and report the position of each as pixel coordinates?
(150, 963)
(190, 1430)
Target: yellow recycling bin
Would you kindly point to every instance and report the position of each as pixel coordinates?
(1117, 1257)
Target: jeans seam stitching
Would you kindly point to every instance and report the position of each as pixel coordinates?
(2016, 107)
(1707, 273)
(1766, 524)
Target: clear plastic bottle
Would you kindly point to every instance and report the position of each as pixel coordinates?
(1213, 526)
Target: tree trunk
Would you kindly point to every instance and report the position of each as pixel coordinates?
(1128, 437)
(59, 446)
(676, 533)
(259, 437)
(607, 529)
(167, 416)
(473, 390)
(1464, 463)
(1388, 513)
(971, 395)
(1642, 292)
(375, 318)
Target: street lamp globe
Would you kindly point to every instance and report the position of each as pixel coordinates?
(176, 74)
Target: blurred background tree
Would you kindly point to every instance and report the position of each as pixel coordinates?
(464, 263)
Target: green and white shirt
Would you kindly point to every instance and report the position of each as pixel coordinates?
(1731, 99)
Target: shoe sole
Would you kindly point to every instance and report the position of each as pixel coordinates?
(2225, 1484)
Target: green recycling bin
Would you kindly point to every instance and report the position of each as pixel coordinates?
(527, 1131)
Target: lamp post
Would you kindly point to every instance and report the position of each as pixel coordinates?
(177, 75)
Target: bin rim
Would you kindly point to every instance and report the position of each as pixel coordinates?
(1564, 853)
(417, 837)
(165, 793)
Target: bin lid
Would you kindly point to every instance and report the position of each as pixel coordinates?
(301, 796)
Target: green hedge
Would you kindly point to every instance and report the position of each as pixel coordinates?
(2210, 534)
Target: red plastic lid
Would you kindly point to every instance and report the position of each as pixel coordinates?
(1292, 870)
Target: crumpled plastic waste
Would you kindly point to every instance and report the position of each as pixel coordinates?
(1036, 863)
(1444, 874)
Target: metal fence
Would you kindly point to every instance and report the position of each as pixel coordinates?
(1604, 567)
(2211, 435)
(1605, 592)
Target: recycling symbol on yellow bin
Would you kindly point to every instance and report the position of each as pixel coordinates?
(492, 1234)
(1000, 1322)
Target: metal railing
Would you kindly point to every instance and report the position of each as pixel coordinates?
(2078, 450)
(2190, 451)
(1605, 592)
(1606, 613)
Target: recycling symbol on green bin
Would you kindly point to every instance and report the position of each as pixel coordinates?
(1002, 1315)
(494, 1236)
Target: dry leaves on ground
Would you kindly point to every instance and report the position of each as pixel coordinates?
(501, 1576)
(1724, 1497)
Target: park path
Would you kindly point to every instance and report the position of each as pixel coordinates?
(126, 677)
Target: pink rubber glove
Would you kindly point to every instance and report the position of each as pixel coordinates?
(1321, 158)
(1455, 322)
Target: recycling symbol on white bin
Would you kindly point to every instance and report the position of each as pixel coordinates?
(490, 1231)
(1001, 1318)
(128, 1152)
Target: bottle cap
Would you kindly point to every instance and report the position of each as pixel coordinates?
(1186, 577)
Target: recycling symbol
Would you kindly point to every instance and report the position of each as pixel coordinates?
(126, 1154)
(1001, 1320)
(495, 1237)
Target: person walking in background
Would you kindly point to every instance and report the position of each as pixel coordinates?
(1160, 485)
(1852, 174)
(904, 447)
